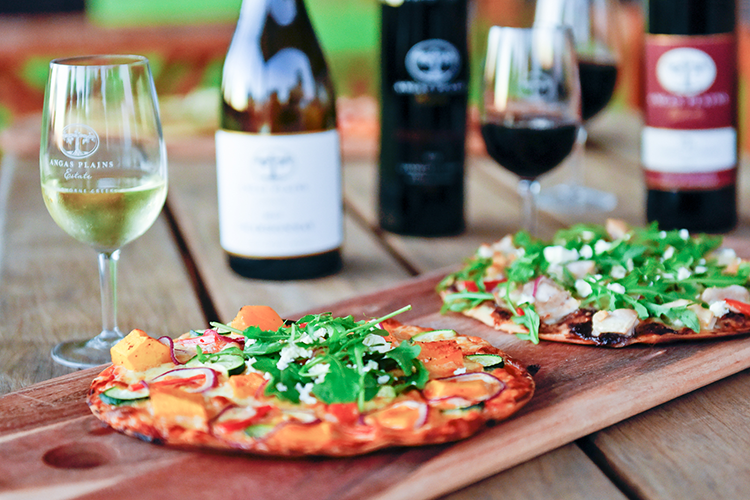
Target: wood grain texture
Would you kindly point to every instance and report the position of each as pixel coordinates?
(579, 390)
(562, 474)
(693, 448)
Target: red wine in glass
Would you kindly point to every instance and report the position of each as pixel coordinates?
(598, 81)
(594, 24)
(530, 146)
(530, 111)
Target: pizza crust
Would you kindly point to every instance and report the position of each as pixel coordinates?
(576, 328)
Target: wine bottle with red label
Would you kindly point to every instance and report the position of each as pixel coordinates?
(277, 151)
(689, 141)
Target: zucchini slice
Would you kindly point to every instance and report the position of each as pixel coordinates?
(487, 360)
(233, 363)
(118, 396)
(258, 431)
(434, 335)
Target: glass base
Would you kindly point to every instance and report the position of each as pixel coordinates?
(574, 199)
(86, 353)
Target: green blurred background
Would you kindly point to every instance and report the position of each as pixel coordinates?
(34, 31)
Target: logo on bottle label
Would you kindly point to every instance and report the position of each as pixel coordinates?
(433, 61)
(273, 164)
(79, 141)
(686, 71)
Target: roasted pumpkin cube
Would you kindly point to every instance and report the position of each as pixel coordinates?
(139, 352)
(246, 385)
(171, 402)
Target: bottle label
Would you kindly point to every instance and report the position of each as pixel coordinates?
(689, 140)
(279, 195)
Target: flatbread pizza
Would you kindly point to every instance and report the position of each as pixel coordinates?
(609, 285)
(322, 385)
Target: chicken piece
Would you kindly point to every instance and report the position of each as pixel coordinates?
(619, 321)
(616, 228)
(734, 292)
(581, 268)
(552, 303)
(706, 317)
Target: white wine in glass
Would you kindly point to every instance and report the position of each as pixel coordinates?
(103, 170)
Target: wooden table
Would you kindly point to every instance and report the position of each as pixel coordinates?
(175, 278)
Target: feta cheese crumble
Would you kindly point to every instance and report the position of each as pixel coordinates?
(318, 372)
(719, 308)
(616, 287)
(560, 255)
(304, 393)
(583, 288)
(376, 343)
(291, 352)
(601, 246)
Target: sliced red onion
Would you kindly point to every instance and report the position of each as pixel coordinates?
(227, 338)
(232, 340)
(210, 337)
(210, 381)
(536, 286)
(499, 386)
(302, 416)
(226, 409)
(167, 341)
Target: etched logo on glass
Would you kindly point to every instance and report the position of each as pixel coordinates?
(79, 141)
(686, 71)
(539, 87)
(433, 61)
(273, 164)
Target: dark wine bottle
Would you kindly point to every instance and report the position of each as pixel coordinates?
(424, 75)
(277, 151)
(689, 141)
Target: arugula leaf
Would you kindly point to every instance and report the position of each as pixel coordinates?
(341, 386)
(405, 354)
(473, 270)
(529, 319)
(343, 360)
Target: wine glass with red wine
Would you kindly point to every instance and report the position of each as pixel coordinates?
(595, 33)
(530, 110)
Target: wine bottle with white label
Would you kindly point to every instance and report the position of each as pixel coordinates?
(689, 141)
(278, 158)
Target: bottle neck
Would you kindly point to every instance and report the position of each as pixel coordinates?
(691, 17)
(255, 13)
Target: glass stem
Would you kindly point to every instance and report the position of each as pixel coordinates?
(580, 158)
(108, 285)
(529, 190)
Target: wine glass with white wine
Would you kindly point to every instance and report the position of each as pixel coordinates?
(103, 170)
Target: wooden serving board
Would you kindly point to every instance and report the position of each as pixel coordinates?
(53, 447)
